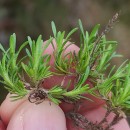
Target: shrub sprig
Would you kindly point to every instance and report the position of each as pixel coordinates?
(89, 64)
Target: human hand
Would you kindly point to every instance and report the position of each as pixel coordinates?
(23, 115)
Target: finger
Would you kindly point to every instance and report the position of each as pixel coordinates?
(50, 50)
(96, 115)
(44, 116)
(49, 82)
(8, 107)
(56, 80)
(2, 126)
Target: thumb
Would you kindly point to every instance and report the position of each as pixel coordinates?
(44, 116)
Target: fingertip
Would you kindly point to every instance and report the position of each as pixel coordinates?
(8, 107)
(122, 125)
(36, 117)
(96, 115)
(50, 50)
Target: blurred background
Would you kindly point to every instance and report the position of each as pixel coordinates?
(33, 17)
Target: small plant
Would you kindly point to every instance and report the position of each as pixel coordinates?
(89, 63)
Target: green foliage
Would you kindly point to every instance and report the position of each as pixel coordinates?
(55, 94)
(63, 60)
(90, 63)
(106, 84)
(106, 53)
(38, 64)
(115, 89)
(95, 52)
(80, 88)
(58, 93)
(83, 59)
(10, 69)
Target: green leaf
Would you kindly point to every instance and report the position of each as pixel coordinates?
(54, 29)
(81, 28)
(12, 43)
(71, 32)
(94, 31)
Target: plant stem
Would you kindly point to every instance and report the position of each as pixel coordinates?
(82, 122)
(106, 115)
(115, 120)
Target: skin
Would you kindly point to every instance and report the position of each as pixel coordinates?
(23, 115)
